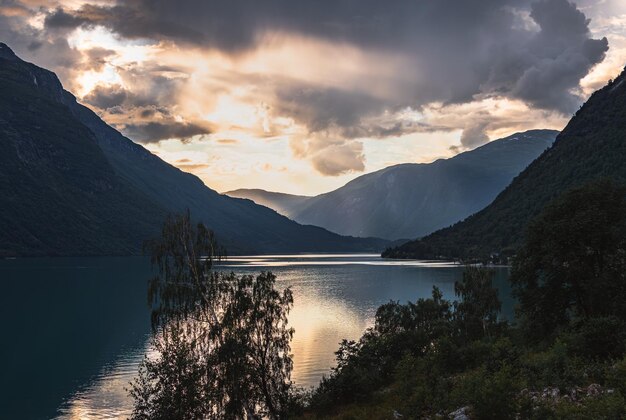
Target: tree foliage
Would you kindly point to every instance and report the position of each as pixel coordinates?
(435, 359)
(418, 331)
(477, 311)
(573, 263)
(590, 147)
(221, 341)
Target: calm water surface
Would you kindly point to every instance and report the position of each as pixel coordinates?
(75, 329)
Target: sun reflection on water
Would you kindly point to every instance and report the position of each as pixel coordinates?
(335, 297)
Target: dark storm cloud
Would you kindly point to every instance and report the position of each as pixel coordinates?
(144, 124)
(453, 52)
(97, 58)
(343, 111)
(145, 112)
(105, 97)
(132, 19)
(234, 25)
(474, 135)
(318, 107)
(153, 132)
(151, 93)
(384, 130)
(460, 48)
(59, 19)
(457, 48)
(33, 45)
(338, 159)
(563, 54)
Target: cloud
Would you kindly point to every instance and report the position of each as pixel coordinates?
(155, 131)
(105, 97)
(452, 45)
(188, 166)
(59, 19)
(436, 35)
(340, 159)
(562, 53)
(97, 57)
(318, 108)
(326, 75)
(474, 135)
(32, 44)
(13, 9)
(139, 117)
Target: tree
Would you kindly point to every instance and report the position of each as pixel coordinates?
(429, 316)
(573, 262)
(222, 341)
(477, 312)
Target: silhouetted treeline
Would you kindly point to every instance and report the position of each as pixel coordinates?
(564, 358)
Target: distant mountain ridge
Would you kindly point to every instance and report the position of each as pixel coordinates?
(413, 200)
(285, 204)
(592, 146)
(72, 185)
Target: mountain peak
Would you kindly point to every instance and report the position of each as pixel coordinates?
(105, 195)
(6, 52)
(413, 199)
(592, 146)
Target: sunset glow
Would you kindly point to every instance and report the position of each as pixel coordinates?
(290, 109)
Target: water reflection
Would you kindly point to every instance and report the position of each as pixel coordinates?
(81, 326)
(320, 324)
(106, 396)
(326, 260)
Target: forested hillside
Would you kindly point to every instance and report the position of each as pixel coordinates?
(592, 146)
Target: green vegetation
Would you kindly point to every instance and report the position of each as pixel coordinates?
(58, 193)
(72, 185)
(566, 358)
(573, 263)
(222, 341)
(591, 147)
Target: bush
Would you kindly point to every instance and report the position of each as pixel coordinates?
(596, 338)
(490, 395)
(607, 406)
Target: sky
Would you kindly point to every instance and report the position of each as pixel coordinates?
(303, 96)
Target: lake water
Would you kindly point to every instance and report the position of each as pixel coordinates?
(75, 329)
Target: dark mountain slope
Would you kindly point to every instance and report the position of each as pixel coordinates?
(285, 204)
(592, 146)
(410, 200)
(242, 225)
(55, 181)
(106, 193)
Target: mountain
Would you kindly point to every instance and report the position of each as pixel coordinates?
(592, 146)
(72, 185)
(412, 200)
(285, 204)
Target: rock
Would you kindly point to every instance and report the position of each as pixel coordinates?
(550, 392)
(594, 390)
(460, 414)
